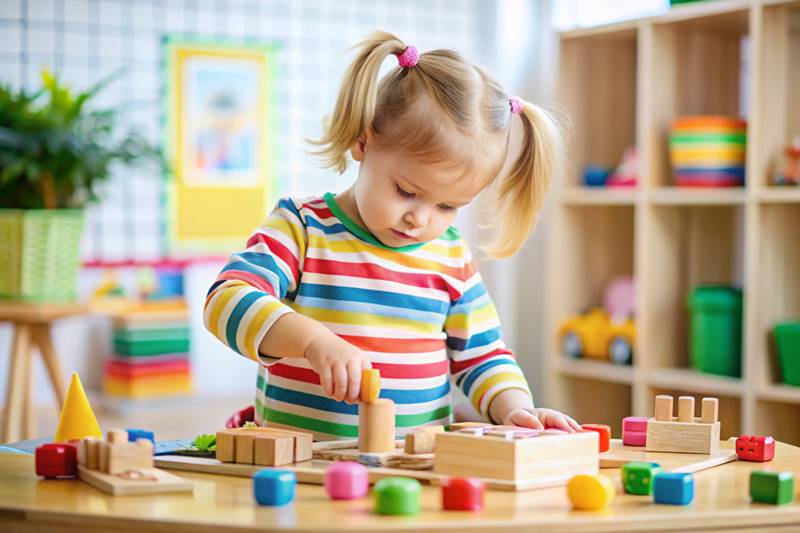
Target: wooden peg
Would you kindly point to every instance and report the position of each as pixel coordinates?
(92, 452)
(370, 385)
(116, 436)
(663, 408)
(710, 410)
(686, 409)
(376, 426)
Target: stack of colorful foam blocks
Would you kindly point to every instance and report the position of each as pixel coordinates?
(151, 352)
(708, 151)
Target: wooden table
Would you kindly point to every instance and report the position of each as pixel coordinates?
(31, 324)
(721, 502)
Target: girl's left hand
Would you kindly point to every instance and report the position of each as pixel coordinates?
(540, 418)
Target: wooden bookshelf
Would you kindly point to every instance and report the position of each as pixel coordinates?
(622, 85)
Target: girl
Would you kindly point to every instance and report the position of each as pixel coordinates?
(375, 277)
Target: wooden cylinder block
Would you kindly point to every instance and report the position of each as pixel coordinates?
(376, 428)
(686, 409)
(663, 410)
(116, 436)
(710, 410)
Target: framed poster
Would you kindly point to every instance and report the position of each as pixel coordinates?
(219, 121)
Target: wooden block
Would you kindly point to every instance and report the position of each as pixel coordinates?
(92, 452)
(682, 437)
(273, 450)
(128, 456)
(376, 426)
(463, 425)
(117, 486)
(686, 409)
(102, 456)
(245, 447)
(226, 446)
(420, 442)
(710, 411)
(434, 429)
(115, 436)
(370, 385)
(303, 441)
(81, 452)
(663, 407)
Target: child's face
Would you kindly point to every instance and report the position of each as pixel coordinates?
(403, 201)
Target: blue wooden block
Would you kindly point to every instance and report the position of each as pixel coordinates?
(274, 487)
(672, 488)
(134, 434)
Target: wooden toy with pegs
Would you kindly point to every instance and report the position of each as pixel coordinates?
(265, 446)
(118, 467)
(686, 433)
(376, 416)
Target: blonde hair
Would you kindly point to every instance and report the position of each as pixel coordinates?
(397, 109)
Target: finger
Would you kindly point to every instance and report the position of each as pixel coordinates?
(525, 419)
(339, 382)
(572, 423)
(326, 380)
(354, 383)
(366, 364)
(560, 422)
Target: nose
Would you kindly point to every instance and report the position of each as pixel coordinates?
(417, 218)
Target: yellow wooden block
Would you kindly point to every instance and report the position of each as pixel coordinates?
(370, 385)
(590, 492)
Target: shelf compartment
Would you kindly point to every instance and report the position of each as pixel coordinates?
(730, 408)
(779, 195)
(601, 196)
(602, 120)
(691, 196)
(596, 370)
(697, 382)
(779, 393)
(780, 420)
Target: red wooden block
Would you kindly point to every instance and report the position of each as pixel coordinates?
(604, 433)
(463, 494)
(755, 448)
(56, 460)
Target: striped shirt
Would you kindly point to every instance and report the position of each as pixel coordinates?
(421, 313)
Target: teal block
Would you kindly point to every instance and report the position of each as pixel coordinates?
(397, 496)
(673, 488)
(771, 487)
(274, 487)
(637, 477)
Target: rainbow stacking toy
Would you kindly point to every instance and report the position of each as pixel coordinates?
(708, 151)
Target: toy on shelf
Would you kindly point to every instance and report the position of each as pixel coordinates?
(637, 477)
(627, 172)
(118, 467)
(590, 492)
(263, 446)
(673, 488)
(274, 487)
(463, 494)
(634, 430)
(595, 176)
(789, 175)
(776, 488)
(397, 496)
(77, 419)
(715, 337)
(787, 344)
(57, 460)
(755, 448)
(684, 434)
(708, 151)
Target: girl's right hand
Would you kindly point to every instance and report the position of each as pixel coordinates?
(339, 365)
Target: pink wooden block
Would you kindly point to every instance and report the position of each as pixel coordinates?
(346, 480)
(634, 431)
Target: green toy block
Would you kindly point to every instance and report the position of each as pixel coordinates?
(637, 477)
(397, 496)
(771, 487)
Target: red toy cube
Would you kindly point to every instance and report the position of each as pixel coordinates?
(56, 460)
(463, 494)
(755, 448)
(604, 433)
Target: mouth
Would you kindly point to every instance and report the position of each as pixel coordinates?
(401, 235)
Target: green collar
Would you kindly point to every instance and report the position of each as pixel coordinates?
(360, 232)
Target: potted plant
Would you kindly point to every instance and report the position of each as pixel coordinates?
(54, 151)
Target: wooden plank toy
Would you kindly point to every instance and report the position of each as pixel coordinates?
(265, 446)
(755, 448)
(686, 433)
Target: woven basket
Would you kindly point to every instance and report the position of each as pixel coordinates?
(40, 253)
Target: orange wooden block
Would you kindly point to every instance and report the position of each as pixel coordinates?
(370, 385)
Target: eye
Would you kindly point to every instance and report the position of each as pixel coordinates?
(403, 193)
(445, 207)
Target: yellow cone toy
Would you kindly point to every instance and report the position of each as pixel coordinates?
(77, 420)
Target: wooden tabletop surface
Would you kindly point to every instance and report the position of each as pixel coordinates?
(721, 502)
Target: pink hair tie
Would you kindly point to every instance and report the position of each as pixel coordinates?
(409, 57)
(516, 104)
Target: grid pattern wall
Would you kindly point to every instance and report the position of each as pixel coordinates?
(85, 40)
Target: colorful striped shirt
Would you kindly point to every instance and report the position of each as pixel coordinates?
(421, 313)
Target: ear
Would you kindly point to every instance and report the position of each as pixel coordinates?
(359, 148)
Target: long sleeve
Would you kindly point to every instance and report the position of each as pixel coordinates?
(479, 360)
(246, 298)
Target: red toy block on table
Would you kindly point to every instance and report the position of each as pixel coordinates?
(755, 448)
(604, 434)
(57, 460)
(634, 431)
(463, 494)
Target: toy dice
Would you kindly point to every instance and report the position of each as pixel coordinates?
(274, 487)
(771, 487)
(603, 432)
(590, 492)
(637, 477)
(463, 494)
(397, 496)
(673, 488)
(634, 431)
(57, 460)
(346, 480)
(755, 448)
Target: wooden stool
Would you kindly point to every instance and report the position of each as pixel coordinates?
(31, 324)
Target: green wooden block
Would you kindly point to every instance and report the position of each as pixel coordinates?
(771, 487)
(637, 477)
(397, 496)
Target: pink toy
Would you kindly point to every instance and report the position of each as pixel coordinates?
(634, 431)
(755, 448)
(463, 494)
(346, 480)
(619, 298)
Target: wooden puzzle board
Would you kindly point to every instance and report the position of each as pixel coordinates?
(618, 455)
(117, 486)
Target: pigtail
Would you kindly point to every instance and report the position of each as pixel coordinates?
(355, 106)
(521, 193)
